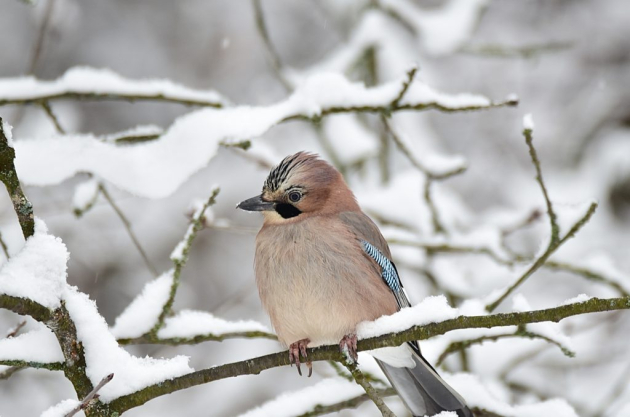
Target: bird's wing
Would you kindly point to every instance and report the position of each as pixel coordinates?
(376, 249)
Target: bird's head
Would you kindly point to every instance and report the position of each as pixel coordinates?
(302, 185)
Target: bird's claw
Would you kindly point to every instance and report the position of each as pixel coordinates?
(349, 344)
(297, 348)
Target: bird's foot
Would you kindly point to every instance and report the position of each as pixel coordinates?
(297, 348)
(348, 345)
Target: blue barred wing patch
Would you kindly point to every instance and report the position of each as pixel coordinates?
(388, 273)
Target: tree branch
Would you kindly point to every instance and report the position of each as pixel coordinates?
(79, 95)
(320, 410)
(360, 379)
(91, 396)
(23, 208)
(262, 363)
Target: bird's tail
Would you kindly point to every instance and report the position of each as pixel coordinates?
(423, 391)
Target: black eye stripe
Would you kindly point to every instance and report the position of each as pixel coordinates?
(287, 210)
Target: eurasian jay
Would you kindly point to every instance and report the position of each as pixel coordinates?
(322, 267)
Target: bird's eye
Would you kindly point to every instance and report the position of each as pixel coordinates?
(295, 196)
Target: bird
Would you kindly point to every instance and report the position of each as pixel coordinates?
(322, 267)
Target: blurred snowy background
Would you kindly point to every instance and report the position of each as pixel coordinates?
(567, 61)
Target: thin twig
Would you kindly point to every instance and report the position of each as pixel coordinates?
(8, 373)
(360, 379)
(272, 55)
(51, 115)
(16, 329)
(5, 248)
(179, 259)
(586, 273)
(543, 258)
(320, 410)
(92, 395)
(127, 225)
(406, 84)
(465, 344)
(553, 219)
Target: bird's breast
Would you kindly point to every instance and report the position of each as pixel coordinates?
(315, 282)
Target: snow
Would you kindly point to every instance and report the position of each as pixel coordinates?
(477, 395)
(142, 314)
(432, 309)
(327, 392)
(580, 298)
(86, 80)
(62, 408)
(8, 132)
(528, 122)
(103, 355)
(38, 271)
(191, 323)
(157, 168)
(85, 195)
(38, 345)
(352, 140)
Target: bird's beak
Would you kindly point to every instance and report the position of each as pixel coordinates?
(255, 204)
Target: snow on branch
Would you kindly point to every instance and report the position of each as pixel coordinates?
(382, 337)
(156, 168)
(84, 83)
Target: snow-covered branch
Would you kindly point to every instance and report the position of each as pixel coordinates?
(84, 83)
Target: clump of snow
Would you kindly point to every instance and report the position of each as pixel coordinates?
(191, 323)
(577, 299)
(327, 392)
(85, 195)
(430, 310)
(61, 409)
(528, 122)
(35, 346)
(86, 80)
(38, 271)
(155, 169)
(478, 395)
(142, 314)
(104, 356)
(8, 132)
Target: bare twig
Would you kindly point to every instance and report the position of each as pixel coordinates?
(16, 329)
(505, 51)
(320, 410)
(91, 396)
(543, 258)
(360, 379)
(410, 76)
(51, 366)
(553, 219)
(8, 176)
(5, 248)
(465, 344)
(272, 54)
(130, 232)
(586, 273)
(8, 373)
(153, 339)
(180, 259)
(52, 116)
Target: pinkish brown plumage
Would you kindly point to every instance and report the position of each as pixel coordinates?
(322, 267)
